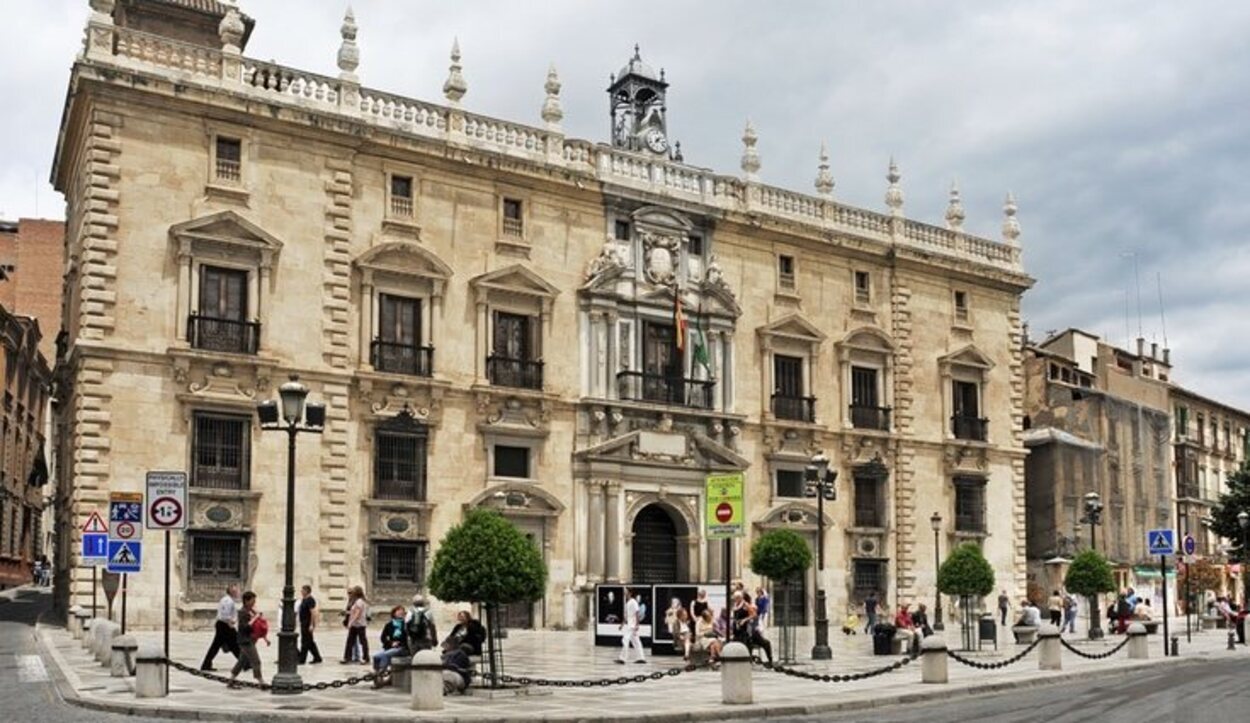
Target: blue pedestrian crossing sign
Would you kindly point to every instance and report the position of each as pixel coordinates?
(125, 556)
(95, 548)
(1161, 542)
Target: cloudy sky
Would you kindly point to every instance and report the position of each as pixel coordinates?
(1122, 126)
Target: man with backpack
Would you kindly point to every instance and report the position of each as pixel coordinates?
(419, 626)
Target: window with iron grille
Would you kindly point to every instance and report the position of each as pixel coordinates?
(512, 461)
(969, 504)
(229, 159)
(218, 556)
(789, 483)
(219, 451)
(399, 562)
(401, 196)
(869, 576)
(869, 501)
(399, 465)
(512, 219)
(961, 306)
(785, 271)
(863, 287)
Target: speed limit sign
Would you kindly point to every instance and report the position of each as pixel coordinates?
(167, 500)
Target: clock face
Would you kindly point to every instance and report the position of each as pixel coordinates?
(656, 141)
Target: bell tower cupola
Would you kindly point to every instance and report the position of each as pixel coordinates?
(638, 108)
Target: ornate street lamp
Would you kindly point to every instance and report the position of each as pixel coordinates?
(1243, 519)
(1093, 517)
(936, 523)
(819, 483)
(292, 415)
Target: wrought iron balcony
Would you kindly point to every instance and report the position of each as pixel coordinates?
(969, 427)
(228, 335)
(799, 409)
(970, 523)
(397, 358)
(864, 417)
(643, 387)
(507, 372)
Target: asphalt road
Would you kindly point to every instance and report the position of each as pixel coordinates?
(1195, 692)
(29, 694)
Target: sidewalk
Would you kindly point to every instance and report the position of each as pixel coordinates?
(568, 655)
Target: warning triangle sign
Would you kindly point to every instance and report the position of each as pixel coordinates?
(123, 555)
(95, 524)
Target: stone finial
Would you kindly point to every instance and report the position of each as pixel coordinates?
(103, 7)
(349, 52)
(553, 113)
(750, 156)
(894, 192)
(955, 210)
(455, 87)
(230, 30)
(1011, 226)
(824, 179)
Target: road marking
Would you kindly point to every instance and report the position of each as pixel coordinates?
(30, 669)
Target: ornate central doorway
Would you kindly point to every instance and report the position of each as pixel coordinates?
(655, 558)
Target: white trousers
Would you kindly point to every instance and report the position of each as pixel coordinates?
(629, 636)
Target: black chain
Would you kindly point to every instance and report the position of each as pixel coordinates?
(1094, 656)
(525, 680)
(235, 683)
(994, 666)
(835, 677)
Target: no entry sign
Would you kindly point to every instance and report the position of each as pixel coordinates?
(725, 515)
(167, 500)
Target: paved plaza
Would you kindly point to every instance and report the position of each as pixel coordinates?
(570, 656)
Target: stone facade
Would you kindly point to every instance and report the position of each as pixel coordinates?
(493, 315)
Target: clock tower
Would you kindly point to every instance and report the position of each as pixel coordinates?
(638, 108)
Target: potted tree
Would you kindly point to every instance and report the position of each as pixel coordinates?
(967, 574)
(486, 560)
(1090, 574)
(783, 557)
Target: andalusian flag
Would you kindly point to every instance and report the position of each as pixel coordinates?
(679, 323)
(700, 349)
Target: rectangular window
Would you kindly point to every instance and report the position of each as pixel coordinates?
(218, 556)
(1202, 429)
(863, 287)
(401, 196)
(869, 501)
(621, 230)
(512, 461)
(695, 246)
(967, 422)
(969, 505)
(789, 400)
(399, 562)
(399, 464)
(229, 159)
(790, 483)
(397, 347)
(223, 293)
(512, 362)
(867, 411)
(868, 576)
(961, 306)
(512, 221)
(785, 271)
(219, 451)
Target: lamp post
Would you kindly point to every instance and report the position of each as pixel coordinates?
(936, 522)
(292, 416)
(1243, 519)
(819, 483)
(1093, 517)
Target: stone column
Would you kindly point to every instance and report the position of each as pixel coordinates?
(483, 327)
(594, 530)
(612, 363)
(183, 302)
(766, 377)
(366, 320)
(612, 531)
(933, 663)
(591, 345)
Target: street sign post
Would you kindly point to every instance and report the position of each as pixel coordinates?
(1163, 543)
(725, 517)
(1188, 546)
(125, 548)
(166, 510)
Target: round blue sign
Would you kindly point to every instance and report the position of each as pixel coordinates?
(1189, 545)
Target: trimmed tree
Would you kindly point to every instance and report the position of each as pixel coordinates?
(968, 574)
(1224, 515)
(486, 560)
(782, 556)
(1198, 578)
(1088, 575)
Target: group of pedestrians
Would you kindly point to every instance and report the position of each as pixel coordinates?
(699, 628)
(1062, 610)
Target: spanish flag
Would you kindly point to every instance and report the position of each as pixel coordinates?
(679, 323)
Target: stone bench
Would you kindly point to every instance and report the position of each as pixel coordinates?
(1024, 634)
(1152, 626)
(1209, 622)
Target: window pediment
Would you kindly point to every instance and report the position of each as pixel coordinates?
(515, 279)
(662, 219)
(969, 356)
(229, 230)
(692, 450)
(405, 259)
(793, 327)
(868, 339)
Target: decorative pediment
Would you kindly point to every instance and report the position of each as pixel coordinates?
(515, 279)
(868, 339)
(229, 229)
(510, 413)
(969, 356)
(662, 219)
(792, 327)
(519, 498)
(405, 259)
(794, 515)
(419, 403)
(675, 448)
(966, 458)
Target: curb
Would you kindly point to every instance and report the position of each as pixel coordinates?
(754, 711)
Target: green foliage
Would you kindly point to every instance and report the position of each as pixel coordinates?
(1089, 574)
(1224, 514)
(1201, 576)
(966, 572)
(486, 559)
(780, 555)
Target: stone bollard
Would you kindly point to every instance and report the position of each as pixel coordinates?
(74, 624)
(735, 675)
(1138, 642)
(426, 680)
(88, 633)
(104, 645)
(401, 674)
(150, 672)
(933, 663)
(1050, 651)
(122, 661)
(82, 623)
(97, 632)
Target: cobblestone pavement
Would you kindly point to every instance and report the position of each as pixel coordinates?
(570, 656)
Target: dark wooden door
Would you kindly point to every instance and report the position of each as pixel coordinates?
(655, 547)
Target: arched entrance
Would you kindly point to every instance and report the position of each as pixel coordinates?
(656, 557)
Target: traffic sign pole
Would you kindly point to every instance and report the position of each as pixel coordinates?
(1163, 570)
(166, 607)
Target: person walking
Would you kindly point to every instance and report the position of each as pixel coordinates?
(870, 611)
(306, 613)
(1004, 606)
(250, 628)
(763, 606)
(225, 637)
(356, 627)
(629, 629)
(1055, 606)
(419, 626)
(1069, 614)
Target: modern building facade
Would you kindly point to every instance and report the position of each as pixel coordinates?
(575, 334)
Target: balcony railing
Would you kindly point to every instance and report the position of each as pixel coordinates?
(863, 417)
(410, 490)
(228, 335)
(970, 523)
(397, 358)
(508, 372)
(228, 170)
(513, 227)
(799, 409)
(643, 387)
(401, 206)
(968, 427)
